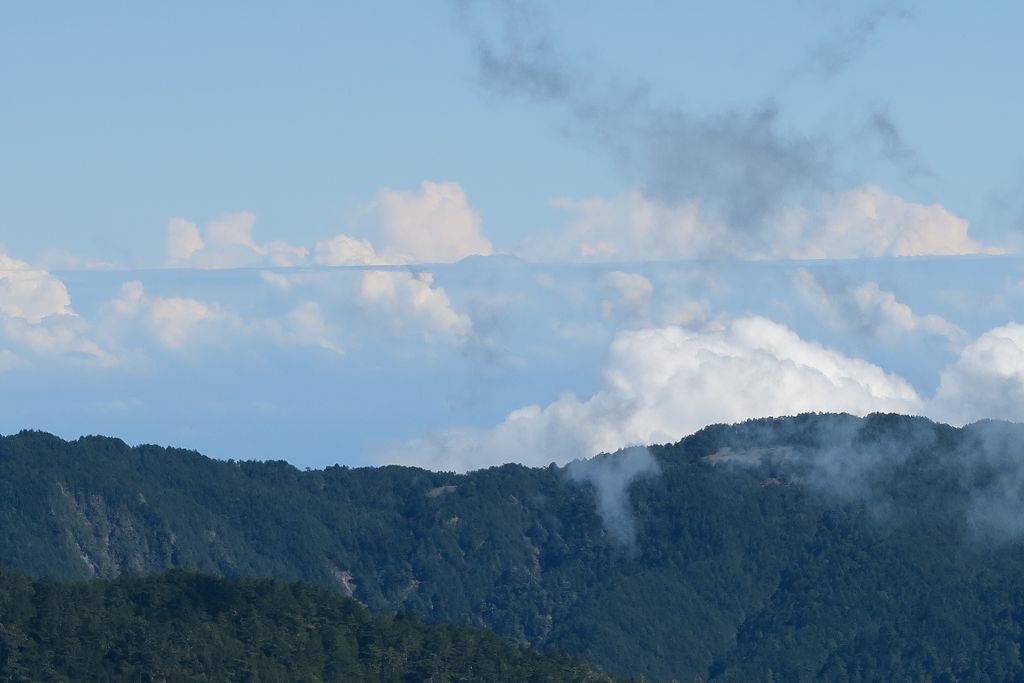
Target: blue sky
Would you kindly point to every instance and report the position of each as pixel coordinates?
(453, 234)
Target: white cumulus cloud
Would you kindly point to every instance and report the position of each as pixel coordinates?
(870, 310)
(183, 240)
(305, 325)
(663, 383)
(434, 225)
(863, 222)
(227, 242)
(397, 301)
(633, 294)
(173, 321)
(628, 227)
(178, 323)
(345, 250)
(66, 337)
(868, 221)
(986, 381)
(30, 293)
(413, 300)
(36, 319)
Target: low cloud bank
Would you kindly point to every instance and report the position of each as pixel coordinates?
(435, 224)
(662, 383)
(863, 222)
(901, 469)
(611, 477)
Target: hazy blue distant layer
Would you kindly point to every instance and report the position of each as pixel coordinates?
(119, 117)
(239, 383)
(454, 234)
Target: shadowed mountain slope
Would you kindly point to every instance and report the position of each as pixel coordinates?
(178, 626)
(819, 546)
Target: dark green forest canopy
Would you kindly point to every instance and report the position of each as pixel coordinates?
(818, 546)
(179, 626)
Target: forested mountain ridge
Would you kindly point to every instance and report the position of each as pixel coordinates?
(820, 546)
(178, 626)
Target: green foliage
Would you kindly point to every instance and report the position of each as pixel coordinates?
(836, 548)
(189, 627)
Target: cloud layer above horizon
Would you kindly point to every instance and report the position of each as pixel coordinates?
(521, 247)
(673, 338)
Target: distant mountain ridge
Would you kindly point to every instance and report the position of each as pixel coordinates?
(818, 546)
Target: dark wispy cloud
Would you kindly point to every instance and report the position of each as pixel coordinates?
(521, 58)
(740, 164)
(1005, 207)
(830, 57)
(868, 310)
(883, 129)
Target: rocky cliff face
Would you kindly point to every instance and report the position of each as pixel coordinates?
(110, 539)
(749, 541)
